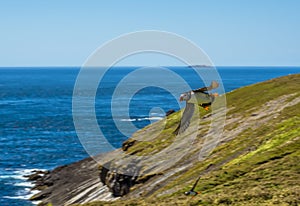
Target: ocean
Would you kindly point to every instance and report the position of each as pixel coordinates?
(36, 124)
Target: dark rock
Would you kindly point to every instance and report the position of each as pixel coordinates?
(37, 174)
(128, 143)
(170, 112)
(116, 179)
(34, 177)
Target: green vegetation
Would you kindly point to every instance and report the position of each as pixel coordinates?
(257, 165)
(254, 96)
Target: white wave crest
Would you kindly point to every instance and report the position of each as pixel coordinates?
(141, 119)
(24, 184)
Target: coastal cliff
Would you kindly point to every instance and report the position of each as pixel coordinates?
(256, 160)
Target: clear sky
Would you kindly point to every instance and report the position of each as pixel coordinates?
(66, 32)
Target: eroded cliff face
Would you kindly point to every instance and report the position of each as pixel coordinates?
(75, 183)
(154, 167)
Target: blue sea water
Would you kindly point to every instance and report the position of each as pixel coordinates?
(36, 124)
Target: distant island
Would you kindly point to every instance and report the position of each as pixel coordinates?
(200, 66)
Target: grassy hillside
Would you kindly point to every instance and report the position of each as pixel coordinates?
(255, 163)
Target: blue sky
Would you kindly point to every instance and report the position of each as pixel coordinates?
(65, 33)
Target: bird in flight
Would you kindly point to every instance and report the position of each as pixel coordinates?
(199, 97)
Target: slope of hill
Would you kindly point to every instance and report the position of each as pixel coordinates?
(256, 161)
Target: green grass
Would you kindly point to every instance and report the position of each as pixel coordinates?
(254, 96)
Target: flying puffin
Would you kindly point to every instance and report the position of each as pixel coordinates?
(199, 96)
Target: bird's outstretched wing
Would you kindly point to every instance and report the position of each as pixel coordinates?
(213, 85)
(185, 119)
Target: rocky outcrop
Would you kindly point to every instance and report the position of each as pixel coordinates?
(75, 183)
(127, 144)
(119, 184)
